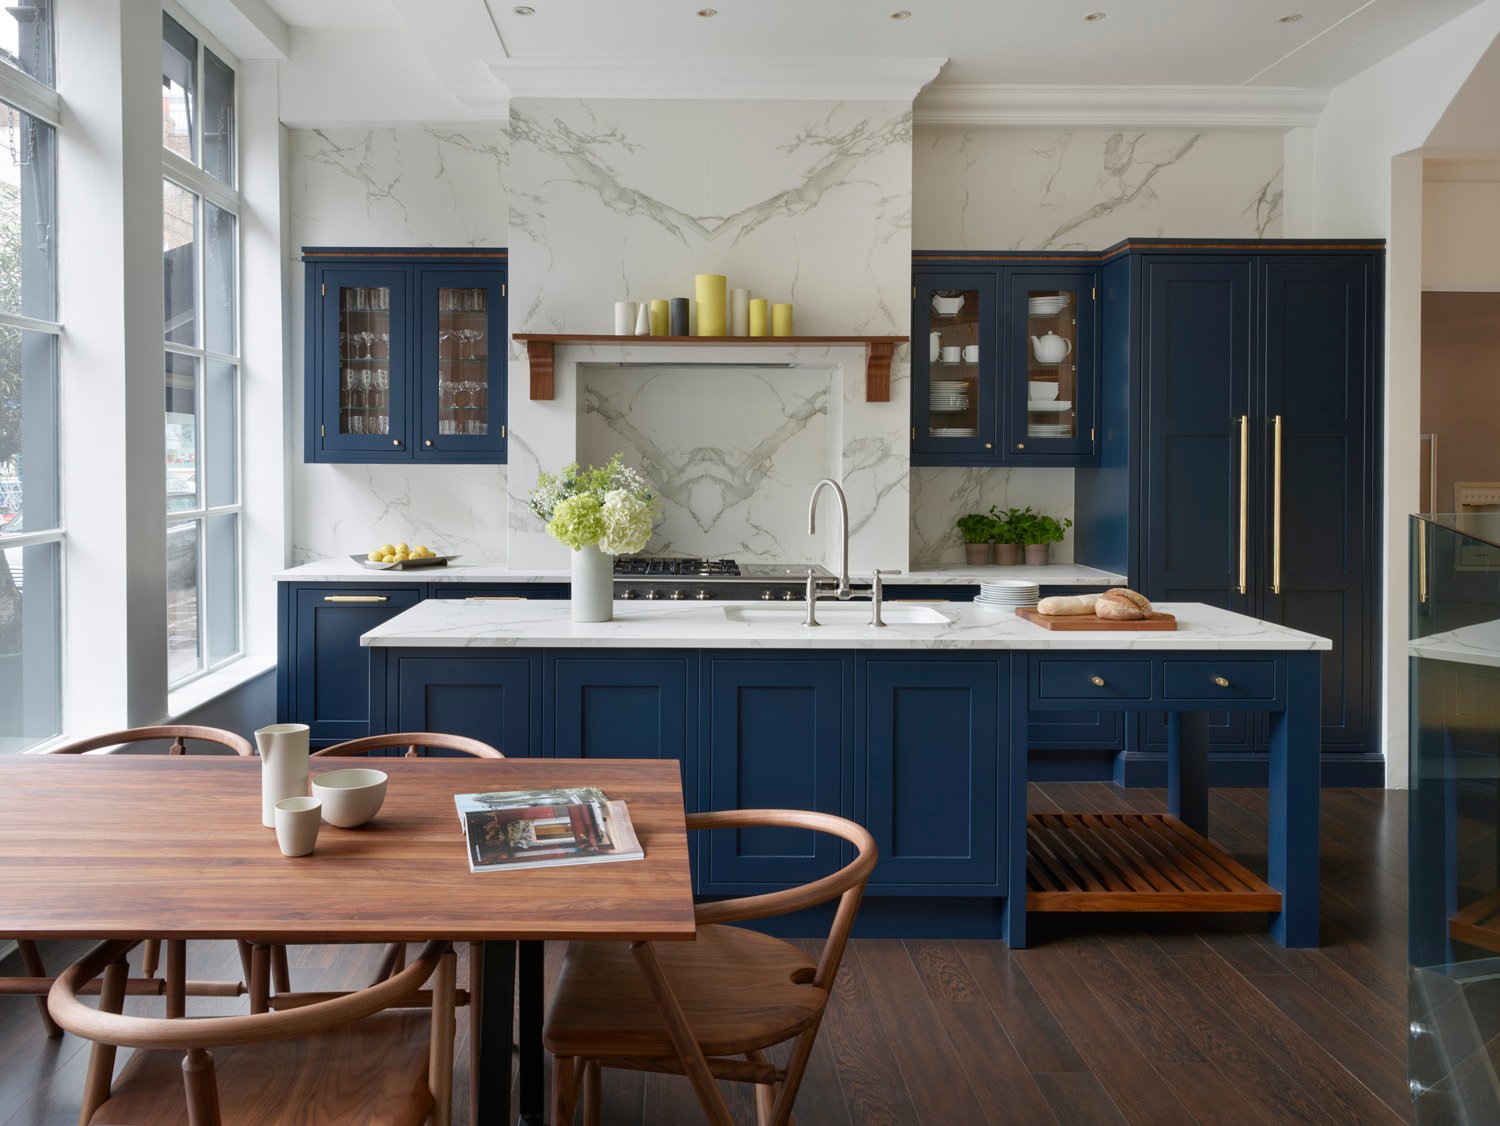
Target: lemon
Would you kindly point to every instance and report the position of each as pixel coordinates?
(375, 557)
(386, 549)
(402, 549)
(422, 552)
(400, 557)
(388, 557)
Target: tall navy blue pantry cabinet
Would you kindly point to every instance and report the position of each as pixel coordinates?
(1240, 464)
(405, 355)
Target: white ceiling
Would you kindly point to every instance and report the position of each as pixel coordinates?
(999, 42)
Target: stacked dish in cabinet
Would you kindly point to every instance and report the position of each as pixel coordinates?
(1003, 595)
(948, 396)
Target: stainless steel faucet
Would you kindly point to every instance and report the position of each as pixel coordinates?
(843, 592)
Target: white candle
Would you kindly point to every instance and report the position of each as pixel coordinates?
(739, 312)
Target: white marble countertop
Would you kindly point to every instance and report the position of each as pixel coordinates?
(1468, 645)
(442, 623)
(348, 571)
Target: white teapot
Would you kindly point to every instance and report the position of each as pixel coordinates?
(1051, 349)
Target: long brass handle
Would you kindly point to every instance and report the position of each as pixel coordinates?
(1276, 513)
(495, 598)
(355, 598)
(1244, 502)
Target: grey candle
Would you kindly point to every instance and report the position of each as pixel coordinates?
(678, 317)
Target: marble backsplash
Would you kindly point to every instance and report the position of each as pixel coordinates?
(733, 451)
(1003, 189)
(939, 496)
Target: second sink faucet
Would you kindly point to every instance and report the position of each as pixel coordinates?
(843, 592)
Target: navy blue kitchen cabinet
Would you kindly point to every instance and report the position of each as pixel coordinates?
(496, 698)
(1014, 376)
(615, 704)
(327, 684)
(1239, 465)
(929, 783)
(406, 355)
(775, 734)
(323, 673)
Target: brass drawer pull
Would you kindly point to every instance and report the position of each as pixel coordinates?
(1097, 681)
(1222, 681)
(355, 598)
(496, 598)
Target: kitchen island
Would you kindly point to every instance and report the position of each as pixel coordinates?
(917, 730)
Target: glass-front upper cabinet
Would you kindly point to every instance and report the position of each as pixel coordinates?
(954, 408)
(1049, 366)
(405, 356)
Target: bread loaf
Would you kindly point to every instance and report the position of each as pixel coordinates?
(1121, 605)
(1067, 605)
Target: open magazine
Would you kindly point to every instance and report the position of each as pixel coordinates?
(545, 829)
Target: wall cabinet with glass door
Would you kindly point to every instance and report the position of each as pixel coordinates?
(1009, 371)
(405, 355)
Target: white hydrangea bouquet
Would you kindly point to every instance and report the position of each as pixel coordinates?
(598, 511)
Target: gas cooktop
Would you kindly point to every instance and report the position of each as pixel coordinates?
(647, 568)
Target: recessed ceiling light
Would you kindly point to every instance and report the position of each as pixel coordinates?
(523, 10)
(1293, 18)
(903, 14)
(1095, 17)
(708, 13)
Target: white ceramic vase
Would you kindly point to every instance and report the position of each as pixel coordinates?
(643, 319)
(625, 314)
(283, 766)
(593, 592)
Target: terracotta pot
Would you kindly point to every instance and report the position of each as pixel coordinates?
(1036, 554)
(976, 553)
(1008, 554)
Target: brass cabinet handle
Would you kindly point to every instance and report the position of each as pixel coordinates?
(395, 441)
(428, 442)
(1244, 500)
(496, 598)
(989, 445)
(355, 598)
(1276, 511)
(1222, 681)
(1020, 445)
(1097, 681)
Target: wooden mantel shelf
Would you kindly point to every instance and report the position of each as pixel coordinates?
(878, 353)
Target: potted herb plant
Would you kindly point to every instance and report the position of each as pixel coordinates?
(1040, 532)
(1008, 528)
(978, 530)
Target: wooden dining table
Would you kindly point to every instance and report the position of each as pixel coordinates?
(118, 847)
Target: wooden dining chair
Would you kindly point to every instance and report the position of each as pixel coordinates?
(366, 1056)
(417, 743)
(710, 1008)
(36, 982)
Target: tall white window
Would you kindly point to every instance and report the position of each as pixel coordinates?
(200, 275)
(31, 524)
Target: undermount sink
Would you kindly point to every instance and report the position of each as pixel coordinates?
(837, 613)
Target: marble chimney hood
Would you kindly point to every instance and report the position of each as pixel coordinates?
(541, 350)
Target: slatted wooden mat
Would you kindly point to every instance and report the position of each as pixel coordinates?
(1478, 924)
(1134, 862)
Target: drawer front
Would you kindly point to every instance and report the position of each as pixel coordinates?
(1093, 680)
(1218, 680)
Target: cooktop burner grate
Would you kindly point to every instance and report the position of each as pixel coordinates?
(646, 567)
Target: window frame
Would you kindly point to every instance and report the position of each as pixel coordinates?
(35, 99)
(207, 188)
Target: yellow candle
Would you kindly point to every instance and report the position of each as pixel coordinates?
(758, 318)
(659, 317)
(712, 292)
(781, 320)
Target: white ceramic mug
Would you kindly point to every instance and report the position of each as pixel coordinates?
(952, 354)
(297, 823)
(625, 318)
(971, 354)
(935, 347)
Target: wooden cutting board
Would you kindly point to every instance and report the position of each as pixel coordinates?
(1157, 621)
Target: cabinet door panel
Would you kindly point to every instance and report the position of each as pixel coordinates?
(776, 739)
(461, 363)
(360, 352)
(1049, 367)
(1317, 379)
(955, 409)
(930, 790)
(493, 699)
(331, 682)
(625, 705)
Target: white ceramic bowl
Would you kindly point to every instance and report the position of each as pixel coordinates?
(1042, 390)
(350, 797)
(947, 306)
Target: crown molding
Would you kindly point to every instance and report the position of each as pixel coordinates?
(1119, 107)
(792, 79)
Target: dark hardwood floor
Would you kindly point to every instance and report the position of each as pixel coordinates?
(1106, 1019)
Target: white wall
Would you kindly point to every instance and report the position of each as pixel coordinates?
(392, 187)
(1461, 226)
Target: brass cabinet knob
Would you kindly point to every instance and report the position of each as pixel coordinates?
(1020, 445)
(1097, 681)
(428, 442)
(989, 445)
(395, 441)
(1222, 681)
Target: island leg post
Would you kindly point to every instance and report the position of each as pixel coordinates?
(1295, 768)
(1015, 726)
(1187, 769)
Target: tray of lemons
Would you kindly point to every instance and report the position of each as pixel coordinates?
(401, 557)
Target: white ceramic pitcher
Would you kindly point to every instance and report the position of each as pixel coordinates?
(284, 751)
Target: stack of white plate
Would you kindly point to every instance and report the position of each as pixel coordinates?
(1004, 595)
(1047, 306)
(1036, 406)
(953, 432)
(941, 400)
(1049, 429)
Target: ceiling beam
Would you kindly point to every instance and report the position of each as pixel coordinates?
(1118, 107)
(247, 28)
